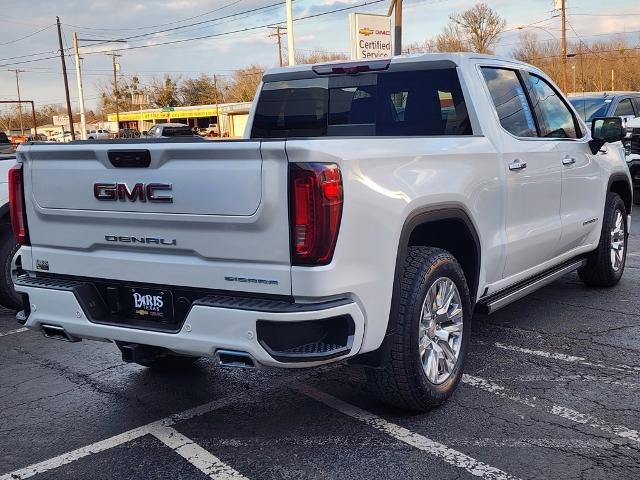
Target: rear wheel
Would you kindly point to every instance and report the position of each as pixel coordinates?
(8, 250)
(606, 264)
(425, 349)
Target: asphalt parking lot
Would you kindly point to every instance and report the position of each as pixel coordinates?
(552, 390)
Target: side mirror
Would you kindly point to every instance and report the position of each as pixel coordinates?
(606, 130)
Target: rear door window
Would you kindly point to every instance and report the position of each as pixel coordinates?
(415, 103)
(510, 101)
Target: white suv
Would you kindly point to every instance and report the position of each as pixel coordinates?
(371, 209)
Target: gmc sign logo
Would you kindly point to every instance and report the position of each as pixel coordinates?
(139, 193)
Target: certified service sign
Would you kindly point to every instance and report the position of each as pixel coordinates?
(370, 35)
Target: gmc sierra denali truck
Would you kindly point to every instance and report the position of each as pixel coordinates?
(371, 209)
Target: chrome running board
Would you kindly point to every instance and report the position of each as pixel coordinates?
(503, 298)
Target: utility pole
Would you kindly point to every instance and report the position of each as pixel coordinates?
(218, 119)
(278, 34)
(397, 28)
(116, 67)
(613, 80)
(291, 51)
(564, 46)
(66, 82)
(19, 102)
(83, 119)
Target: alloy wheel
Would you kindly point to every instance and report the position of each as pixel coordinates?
(618, 239)
(440, 335)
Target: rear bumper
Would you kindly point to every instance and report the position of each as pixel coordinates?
(213, 323)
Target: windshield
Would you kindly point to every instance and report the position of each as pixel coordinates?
(590, 108)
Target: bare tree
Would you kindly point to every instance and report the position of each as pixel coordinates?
(478, 27)
(318, 56)
(451, 39)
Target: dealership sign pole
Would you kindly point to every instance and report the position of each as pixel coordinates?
(370, 36)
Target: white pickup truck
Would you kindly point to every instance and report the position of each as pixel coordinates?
(371, 209)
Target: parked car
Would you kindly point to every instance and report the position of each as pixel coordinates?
(625, 105)
(169, 130)
(128, 133)
(371, 209)
(98, 134)
(633, 156)
(64, 137)
(6, 147)
(18, 139)
(9, 260)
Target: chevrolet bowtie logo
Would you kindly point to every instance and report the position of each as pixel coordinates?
(366, 31)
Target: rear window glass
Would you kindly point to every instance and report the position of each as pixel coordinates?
(4, 138)
(177, 132)
(417, 103)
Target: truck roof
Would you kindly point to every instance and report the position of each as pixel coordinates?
(458, 58)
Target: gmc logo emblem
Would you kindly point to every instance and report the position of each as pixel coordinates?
(139, 193)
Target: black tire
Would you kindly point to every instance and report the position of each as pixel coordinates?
(599, 271)
(8, 248)
(169, 363)
(400, 380)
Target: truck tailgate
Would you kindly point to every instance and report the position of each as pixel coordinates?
(206, 214)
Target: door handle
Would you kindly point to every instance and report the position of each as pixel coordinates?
(517, 164)
(568, 161)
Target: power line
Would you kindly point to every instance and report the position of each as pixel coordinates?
(27, 36)
(142, 35)
(158, 25)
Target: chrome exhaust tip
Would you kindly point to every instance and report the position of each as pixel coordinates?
(234, 359)
(57, 333)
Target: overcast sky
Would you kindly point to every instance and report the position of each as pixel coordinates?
(112, 19)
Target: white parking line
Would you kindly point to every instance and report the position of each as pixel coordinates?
(125, 437)
(557, 410)
(197, 456)
(570, 378)
(448, 455)
(13, 332)
(74, 455)
(566, 358)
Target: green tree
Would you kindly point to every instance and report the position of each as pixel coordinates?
(202, 90)
(164, 93)
(244, 84)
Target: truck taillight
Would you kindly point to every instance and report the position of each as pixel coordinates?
(316, 208)
(17, 206)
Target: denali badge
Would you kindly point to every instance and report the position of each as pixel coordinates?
(261, 281)
(145, 240)
(140, 192)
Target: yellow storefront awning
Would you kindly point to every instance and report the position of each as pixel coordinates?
(160, 115)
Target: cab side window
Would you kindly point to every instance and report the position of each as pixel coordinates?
(557, 120)
(510, 101)
(624, 109)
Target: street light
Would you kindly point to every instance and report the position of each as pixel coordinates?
(522, 27)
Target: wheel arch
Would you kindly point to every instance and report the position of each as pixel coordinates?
(460, 234)
(619, 183)
(416, 230)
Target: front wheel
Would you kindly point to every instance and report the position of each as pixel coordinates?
(425, 349)
(605, 265)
